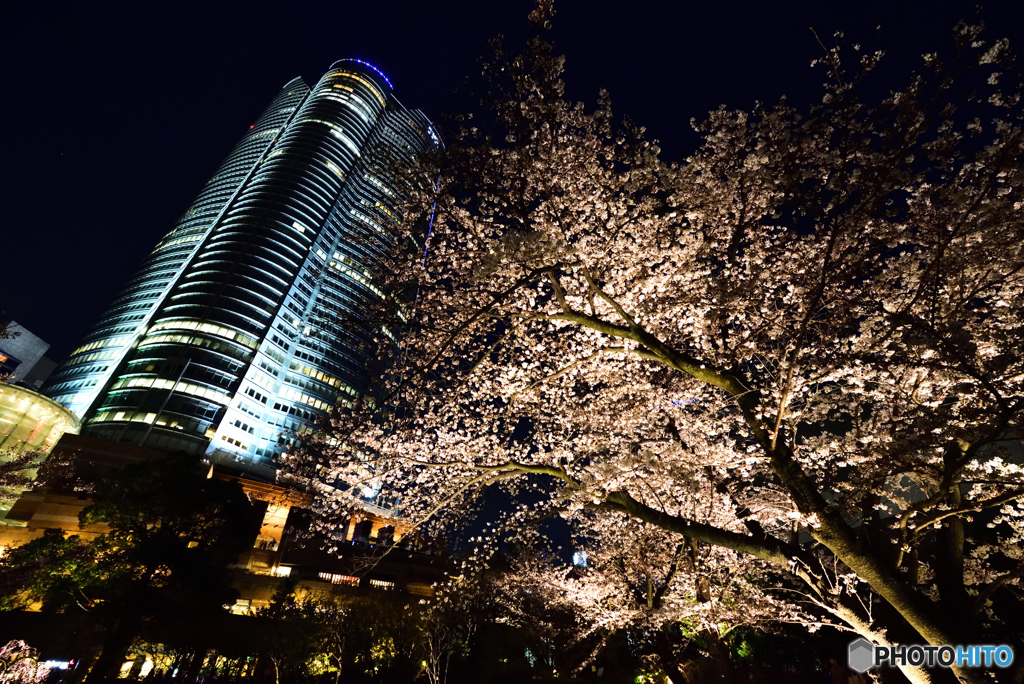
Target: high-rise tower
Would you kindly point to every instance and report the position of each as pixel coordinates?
(216, 344)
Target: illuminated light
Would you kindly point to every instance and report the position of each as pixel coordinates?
(370, 86)
(369, 66)
(102, 343)
(347, 140)
(335, 169)
(187, 387)
(363, 218)
(217, 330)
(215, 345)
(190, 238)
(347, 580)
(339, 133)
(360, 278)
(380, 186)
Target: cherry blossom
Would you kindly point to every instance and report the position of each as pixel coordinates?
(796, 356)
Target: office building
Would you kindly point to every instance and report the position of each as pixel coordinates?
(244, 323)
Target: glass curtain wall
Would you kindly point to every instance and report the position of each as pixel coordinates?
(234, 357)
(87, 370)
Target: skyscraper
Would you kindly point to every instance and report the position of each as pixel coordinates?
(217, 343)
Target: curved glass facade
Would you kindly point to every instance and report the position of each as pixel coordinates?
(219, 343)
(29, 422)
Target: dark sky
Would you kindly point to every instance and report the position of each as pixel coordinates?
(115, 114)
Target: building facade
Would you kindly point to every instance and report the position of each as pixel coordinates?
(243, 324)
(29, 422)
(22, 357)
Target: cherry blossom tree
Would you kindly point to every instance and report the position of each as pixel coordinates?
(447, 625)
(797, 355)
(19, 471)
(19, 664)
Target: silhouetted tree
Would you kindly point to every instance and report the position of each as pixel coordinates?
(172, 534)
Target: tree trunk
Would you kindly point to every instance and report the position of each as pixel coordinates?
(115, 649)
(719, 652)
(140, 660)
(195, 665)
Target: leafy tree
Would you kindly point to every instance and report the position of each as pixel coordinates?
(289, 633)
(448, 624)
(172, 534)
(801, 350)
(319, 634)
(344, 632)
(57, 571)
(395, 625)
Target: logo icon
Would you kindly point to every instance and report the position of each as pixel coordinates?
(861, 655)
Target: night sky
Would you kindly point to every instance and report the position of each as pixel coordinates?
(115, 114)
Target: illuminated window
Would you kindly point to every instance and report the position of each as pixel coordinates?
(363, 218)
(218, 330)
(102, 343)
(335, 169)
(235, 442)
(347, 580)
(186, 387)
(299, 397)
(242, 607)
(382, 584)
(374, 181)
(373, 88)
(358, 277)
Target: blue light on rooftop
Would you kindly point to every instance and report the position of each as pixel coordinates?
(368, 66)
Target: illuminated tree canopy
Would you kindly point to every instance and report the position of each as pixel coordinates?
(795, 359)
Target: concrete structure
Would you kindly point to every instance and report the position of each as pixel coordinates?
(22, 357)
(369, 552)
(247, 322)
